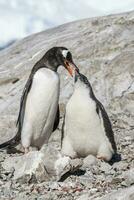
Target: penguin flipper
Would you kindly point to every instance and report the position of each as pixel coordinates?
(107, 125)
(15, 140)
(26, 90)
(57, 119)
(62, 130)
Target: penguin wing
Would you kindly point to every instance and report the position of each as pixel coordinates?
(14, 141)
(57, 119)
(62, 130)
(107, 124)
(23, 103)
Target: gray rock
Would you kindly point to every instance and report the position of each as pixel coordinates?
(105, 167)
(122, 165)
(129, 177)
(128, 138)
(38, 166)
(26, 166)
(83, 197)
(65, 164)
(122, 194)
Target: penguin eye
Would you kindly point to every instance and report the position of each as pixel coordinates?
(69, 56)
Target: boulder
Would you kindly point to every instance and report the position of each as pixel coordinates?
(38, 166)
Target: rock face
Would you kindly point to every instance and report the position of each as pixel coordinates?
(38, 166)
(103, 49)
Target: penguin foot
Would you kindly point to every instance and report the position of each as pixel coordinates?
(102, 158)
(26, 150)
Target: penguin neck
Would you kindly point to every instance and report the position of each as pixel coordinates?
(50, 66)
(83, 88)
(46, 64)
(80, 86)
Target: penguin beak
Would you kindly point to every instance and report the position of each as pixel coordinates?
(71, 67)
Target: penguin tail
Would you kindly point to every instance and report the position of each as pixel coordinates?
(115, 158)
(13, 142)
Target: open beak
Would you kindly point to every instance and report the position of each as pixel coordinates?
(71, 67)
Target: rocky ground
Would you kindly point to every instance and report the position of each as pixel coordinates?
(93, 179)
(103, 48)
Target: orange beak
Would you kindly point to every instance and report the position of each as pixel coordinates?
(70, 67)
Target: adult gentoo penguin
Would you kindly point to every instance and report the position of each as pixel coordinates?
(39, 111)
(87, 128)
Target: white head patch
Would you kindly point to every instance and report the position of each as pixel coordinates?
(64, 53)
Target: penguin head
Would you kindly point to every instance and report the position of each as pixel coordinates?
(57, 56)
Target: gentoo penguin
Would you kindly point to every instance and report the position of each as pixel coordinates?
(39, 111)
(86, 127)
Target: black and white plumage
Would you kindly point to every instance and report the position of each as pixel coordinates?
(39, 111)
(87, 128)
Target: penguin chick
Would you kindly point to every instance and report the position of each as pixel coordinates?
(86, 128)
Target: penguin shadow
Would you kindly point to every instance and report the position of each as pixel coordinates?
(78, 172)
(13, 150)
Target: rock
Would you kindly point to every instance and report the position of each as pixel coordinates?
(128, 138)
(83, 197)
(122, 194)
(105, 167)
(120, 165)
(38, 166)
(26, 166)
(62, 164)
(88, 195)
(65, 164)
(129, 177)
(75, 164)
(89, 161)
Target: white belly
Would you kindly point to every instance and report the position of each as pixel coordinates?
(41, 107)
(83, 130)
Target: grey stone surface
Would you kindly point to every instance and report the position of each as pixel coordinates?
(129, 177)
(125, 194)
(38, 166)
(105, 167)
